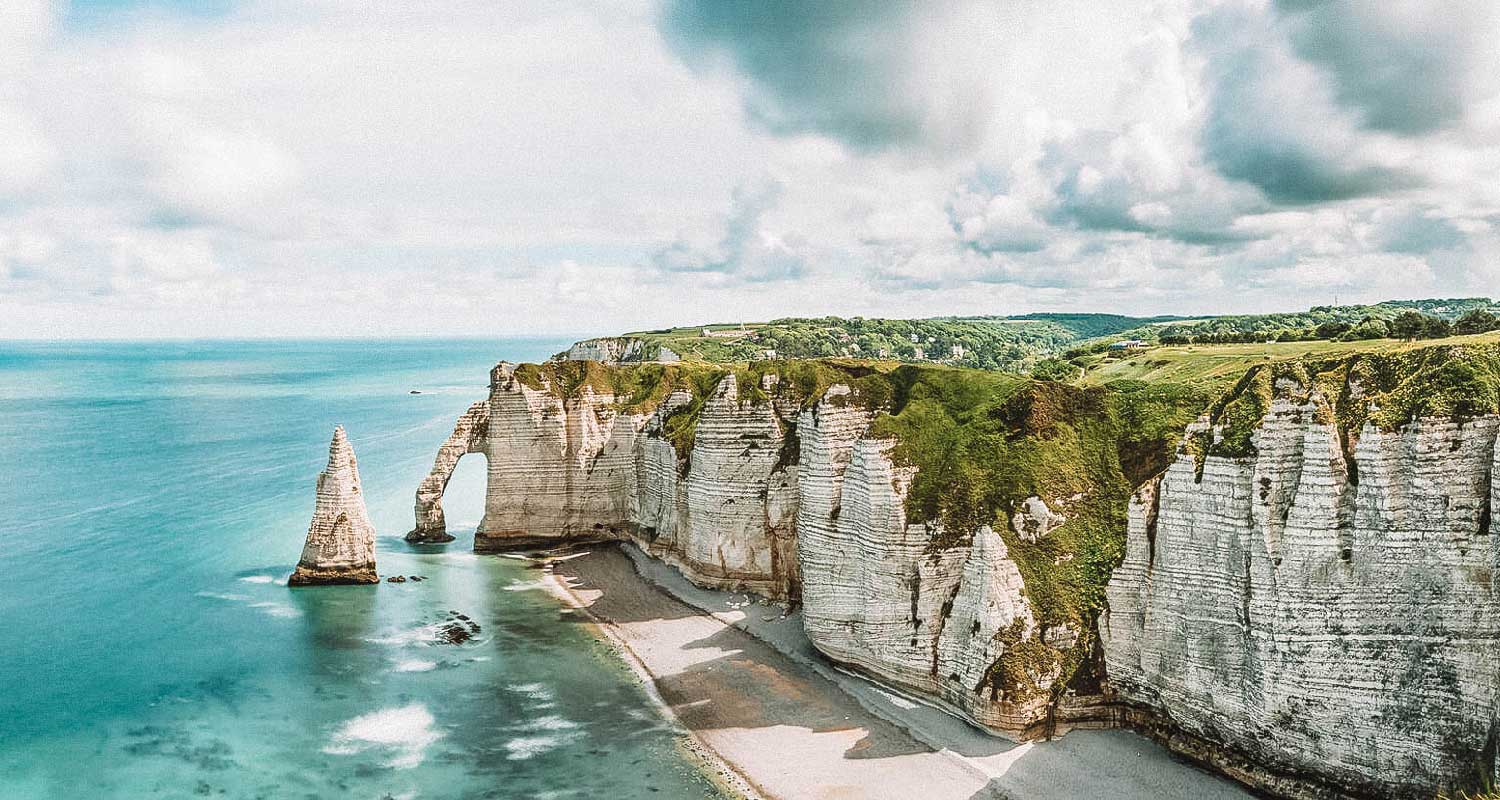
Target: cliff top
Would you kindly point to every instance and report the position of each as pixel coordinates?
(1220, 365)
(1386, 386)
(1034, 341)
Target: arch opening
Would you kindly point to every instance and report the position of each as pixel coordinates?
(469, 436)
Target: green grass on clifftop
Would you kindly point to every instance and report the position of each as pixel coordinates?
(1388, 387)
(984, 442)
(1217, 367)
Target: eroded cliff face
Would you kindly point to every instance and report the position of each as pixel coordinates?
(891, 598)
(1306, 597)
(581, 463)
(1319, 615)
(617, 350)
(775, 484)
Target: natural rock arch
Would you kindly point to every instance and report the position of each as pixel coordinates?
(469, 436)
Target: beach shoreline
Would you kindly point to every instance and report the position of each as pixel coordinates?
(775, 720)
(722, 773)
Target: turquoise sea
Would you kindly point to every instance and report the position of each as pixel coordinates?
(155, 496)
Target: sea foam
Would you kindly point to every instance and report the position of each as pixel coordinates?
(405, 731)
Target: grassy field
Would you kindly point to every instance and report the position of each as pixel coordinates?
(1218, 365)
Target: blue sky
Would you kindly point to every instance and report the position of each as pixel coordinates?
(93, 14)
(329, 167)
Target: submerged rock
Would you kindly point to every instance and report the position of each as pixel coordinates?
(456, 629)
(340, 544)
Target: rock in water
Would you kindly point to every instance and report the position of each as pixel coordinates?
(340, 541)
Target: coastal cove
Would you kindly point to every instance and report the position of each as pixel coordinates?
(733, 581)
(159, 494)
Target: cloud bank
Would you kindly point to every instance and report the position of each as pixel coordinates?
(270, 167)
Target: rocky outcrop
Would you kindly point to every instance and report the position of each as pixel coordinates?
(734, 524)
(1321, 616)
(470, 434)
(340, 545)
(618, 350)
(560, 468)
(888, 597)
(571, 465)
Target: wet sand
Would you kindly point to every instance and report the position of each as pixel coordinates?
(743, 680)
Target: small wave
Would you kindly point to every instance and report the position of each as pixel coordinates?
(526, 586)
(406, 732)
(551, 722)
(524, 747)
(415, 665)
(225, 596)
(277, 610)
(259, 579)
(535, 691)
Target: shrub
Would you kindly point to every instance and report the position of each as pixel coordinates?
(1332, 329)
(1476, 321)
(1368, 328)
(1054, 369)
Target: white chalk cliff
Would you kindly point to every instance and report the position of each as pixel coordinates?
(1319, 617)
(617, 350)
(778, 495)
(340, 546)
(877, 593)
(1316, 625)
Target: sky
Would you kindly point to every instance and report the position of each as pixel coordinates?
(245, 168)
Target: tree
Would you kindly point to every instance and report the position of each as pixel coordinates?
(1332, 329)
(1054, 369)
(1368, 328)
(1476, 321)
(1436, 328)
(1409, 325)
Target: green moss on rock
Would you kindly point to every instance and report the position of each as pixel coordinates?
(1386, 389)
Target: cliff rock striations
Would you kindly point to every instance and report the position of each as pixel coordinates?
(1299, 588)
(1309, 594)
(899, 504)
(340, 545)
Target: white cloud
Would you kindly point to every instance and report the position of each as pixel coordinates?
(341, 168)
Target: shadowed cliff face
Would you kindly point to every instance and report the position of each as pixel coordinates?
(1304, 598)
(1309, 591)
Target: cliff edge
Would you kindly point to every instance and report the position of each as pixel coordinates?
(1298, 589)
(1309, 598)
(945, 530)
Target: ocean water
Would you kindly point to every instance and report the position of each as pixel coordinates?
(155, 497)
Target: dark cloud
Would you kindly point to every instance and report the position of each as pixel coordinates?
(744, 252)
(1267, 126)
(1088, 196)
(839, 68)
(1287, 170)
(1418, 232)
(1103, 182)
(1403, 70)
